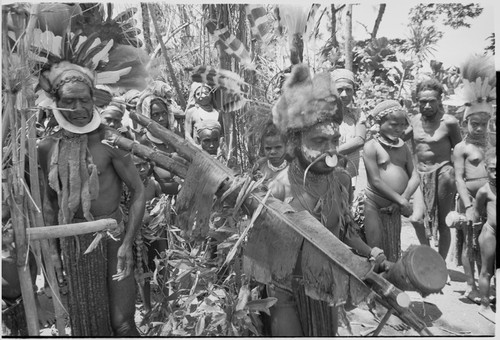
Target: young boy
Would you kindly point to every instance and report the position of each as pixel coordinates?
(485, 205)
(153, 247)
(208, 136)
(392, 179)
(470, 175)
(273, 145)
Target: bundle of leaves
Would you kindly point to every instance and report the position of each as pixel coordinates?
(209, 295)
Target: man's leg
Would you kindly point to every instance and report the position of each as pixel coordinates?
(446, 199)
(417, 218)
(121, 297)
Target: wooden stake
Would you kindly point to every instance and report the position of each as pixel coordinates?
(65, 230)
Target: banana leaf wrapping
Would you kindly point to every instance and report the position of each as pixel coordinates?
(196, 197)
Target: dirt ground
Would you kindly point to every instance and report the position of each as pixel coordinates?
(447, 314)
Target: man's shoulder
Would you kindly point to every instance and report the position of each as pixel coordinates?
(415, 118)
(450, 119)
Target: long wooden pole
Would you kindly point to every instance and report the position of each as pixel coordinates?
(16, 196)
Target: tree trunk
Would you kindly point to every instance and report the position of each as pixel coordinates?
(222, 15)
(171, 72)
(376, 26)
(335, 42)
(145, 28)
(348, 38)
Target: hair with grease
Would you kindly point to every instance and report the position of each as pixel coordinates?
(430, 84)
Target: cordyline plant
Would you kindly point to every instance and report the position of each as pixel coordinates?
(209, 295)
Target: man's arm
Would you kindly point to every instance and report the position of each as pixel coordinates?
(414, 180)
(454, 130)
(459, 157)
(50, 204)
(126, 170)
(188, 126)
(408, 133)
(355, 143)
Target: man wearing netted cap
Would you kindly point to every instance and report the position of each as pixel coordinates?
(309, 113)
(352, 128)
(83, 182)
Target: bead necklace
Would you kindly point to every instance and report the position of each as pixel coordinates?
(277, 168)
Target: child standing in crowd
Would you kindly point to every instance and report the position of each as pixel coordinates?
(469, 157)
(112, 116)
(470, 175)
(154, 244)
(208, 133)
(273, 145)
(485, 205)
(392, 179)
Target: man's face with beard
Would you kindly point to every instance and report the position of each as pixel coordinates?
(429, 102)
(320, 139)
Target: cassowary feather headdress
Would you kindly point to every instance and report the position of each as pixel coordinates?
(76, 58)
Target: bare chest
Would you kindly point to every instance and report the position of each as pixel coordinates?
(429, 132)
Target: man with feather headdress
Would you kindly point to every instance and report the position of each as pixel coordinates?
(82, 181)
(309, 112)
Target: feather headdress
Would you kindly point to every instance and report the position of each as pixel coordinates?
(478, 90)
(87, 59)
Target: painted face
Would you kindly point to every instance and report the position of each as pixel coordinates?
(142, 166)
(477, 124)
(159, 115)
(76, 96)
(321, 138)
(429, 102)
(112, 119)
(346, 92)
(274, 149)
(209, 140)
(491, 167)
(394, 125)
(202, 95)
